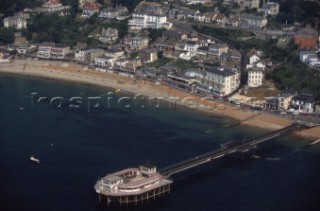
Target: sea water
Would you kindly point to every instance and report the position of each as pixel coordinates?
(78, 145)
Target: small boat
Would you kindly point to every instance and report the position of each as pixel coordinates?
(273, 159)
(117, 90)
(33, 159)
(256, 156)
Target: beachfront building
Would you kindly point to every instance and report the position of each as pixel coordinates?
(59, 51)
(17, 22)
(87, 56)
(255, 77)
(220, 81)
(105, 62)
(45, 50)
(148, 55)
(90, 8)
(109, 35)
(303, 103)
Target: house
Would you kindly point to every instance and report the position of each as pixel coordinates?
(304, 55)
(253, 22)
(199, 17)
(17, 22)
(109, 35)
(53, 6)
(203, 50)
(255, 77)
(270, 8)
(272, 103)
(251, 4)
(218, 48)
(90, 8)
(191, 46)
(114, 52)
(142, 21)
(253, 56)
(113, 12)
(59, 51)
(234, 21)
(138, 42)
(220, 19)
(133, 64)
(210, 17)
(285, 100)
(45, 50)
(4, 57)
(148, 55)
(88, 56)
(173, 34)
(306, 37)
(104, 62)
(303, 103)
(220, 81)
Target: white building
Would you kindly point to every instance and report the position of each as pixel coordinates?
(109, 35)
(255, 77)
(59, 51)
(218, 49)
(253, 22)
(90, 8)
(253, 57)
(105, 62)
(17, 22)
(45, 50)
(219, 81)
(53, 6)
(155, 21)
(191, 46)
(303, 103)
(270, 8)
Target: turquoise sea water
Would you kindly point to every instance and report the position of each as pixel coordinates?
(76, 147)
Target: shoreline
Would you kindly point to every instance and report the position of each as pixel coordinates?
(79, 73)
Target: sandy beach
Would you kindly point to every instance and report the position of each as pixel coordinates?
(78, 73)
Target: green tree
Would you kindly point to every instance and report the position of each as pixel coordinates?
(6, 35)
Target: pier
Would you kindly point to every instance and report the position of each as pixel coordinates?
(137, 185)
(226, 149)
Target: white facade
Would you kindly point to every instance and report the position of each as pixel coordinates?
(253, 22)
(191, 46)
(302, 104)
(253, 59)
(17, 22)
(105, 62)
(220, 81)
(141, 21)
(255, 77)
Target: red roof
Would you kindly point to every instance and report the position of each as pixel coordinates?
(253, 52)
(91, 6)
